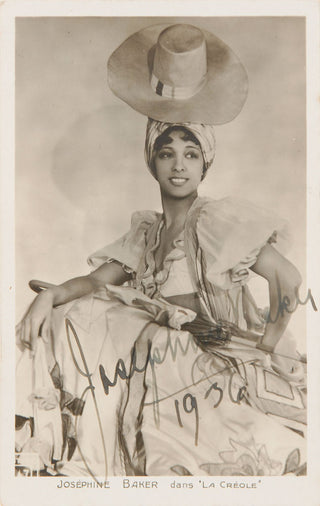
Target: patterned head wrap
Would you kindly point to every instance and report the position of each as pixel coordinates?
(204, 134)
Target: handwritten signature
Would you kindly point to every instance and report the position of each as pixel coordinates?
(284, 304)
(155, 358)
(189, 402)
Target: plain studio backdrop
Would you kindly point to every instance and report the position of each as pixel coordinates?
(80, 169)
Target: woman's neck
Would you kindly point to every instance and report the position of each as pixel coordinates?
(175, 210)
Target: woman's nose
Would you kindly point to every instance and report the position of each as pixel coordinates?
(178, 165)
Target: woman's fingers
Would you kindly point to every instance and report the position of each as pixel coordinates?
(34, 333)
(45, 330)
(36, 322)
(19, 331)
(26, 333)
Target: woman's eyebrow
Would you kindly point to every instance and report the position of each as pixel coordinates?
(166, 146)
(194, 146)
(188, 146)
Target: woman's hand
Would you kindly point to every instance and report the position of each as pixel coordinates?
(36, 322)
(284, 281)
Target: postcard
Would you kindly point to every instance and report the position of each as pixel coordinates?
(159, 253)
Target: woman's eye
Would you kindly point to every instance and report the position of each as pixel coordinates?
(192, 154)
(164, 155)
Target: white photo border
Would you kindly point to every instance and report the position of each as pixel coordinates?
(275, 490)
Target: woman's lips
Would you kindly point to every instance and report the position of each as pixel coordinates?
(178, 181)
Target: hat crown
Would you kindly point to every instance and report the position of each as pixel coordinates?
(180, 58)
(179, 74)
(181, 38)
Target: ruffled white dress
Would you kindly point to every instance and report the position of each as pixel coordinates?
(135, 386)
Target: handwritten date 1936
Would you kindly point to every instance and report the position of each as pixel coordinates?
(190, 404)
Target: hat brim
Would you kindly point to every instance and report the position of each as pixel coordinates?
(219, 101)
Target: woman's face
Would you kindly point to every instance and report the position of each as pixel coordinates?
(178, 165)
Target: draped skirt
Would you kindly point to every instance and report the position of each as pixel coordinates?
(120, 391)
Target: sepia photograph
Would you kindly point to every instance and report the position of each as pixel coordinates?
(162, 292)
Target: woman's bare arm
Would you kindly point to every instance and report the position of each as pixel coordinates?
(37, 319)
(111, 273)
(284, 281)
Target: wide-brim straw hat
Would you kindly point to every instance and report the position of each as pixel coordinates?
(178, 74)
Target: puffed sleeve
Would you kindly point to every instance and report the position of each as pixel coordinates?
(231, 233)
(129, 248)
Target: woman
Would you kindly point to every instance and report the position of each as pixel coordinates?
(175, 372)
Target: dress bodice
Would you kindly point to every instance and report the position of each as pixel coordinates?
(209, 262)
(173, 279)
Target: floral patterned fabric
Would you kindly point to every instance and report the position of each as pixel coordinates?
(139, 389)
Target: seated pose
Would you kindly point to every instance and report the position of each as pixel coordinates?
(159, 361)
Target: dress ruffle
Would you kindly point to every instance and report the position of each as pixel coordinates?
(231, 233)
(129, 249)
(137, 394)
